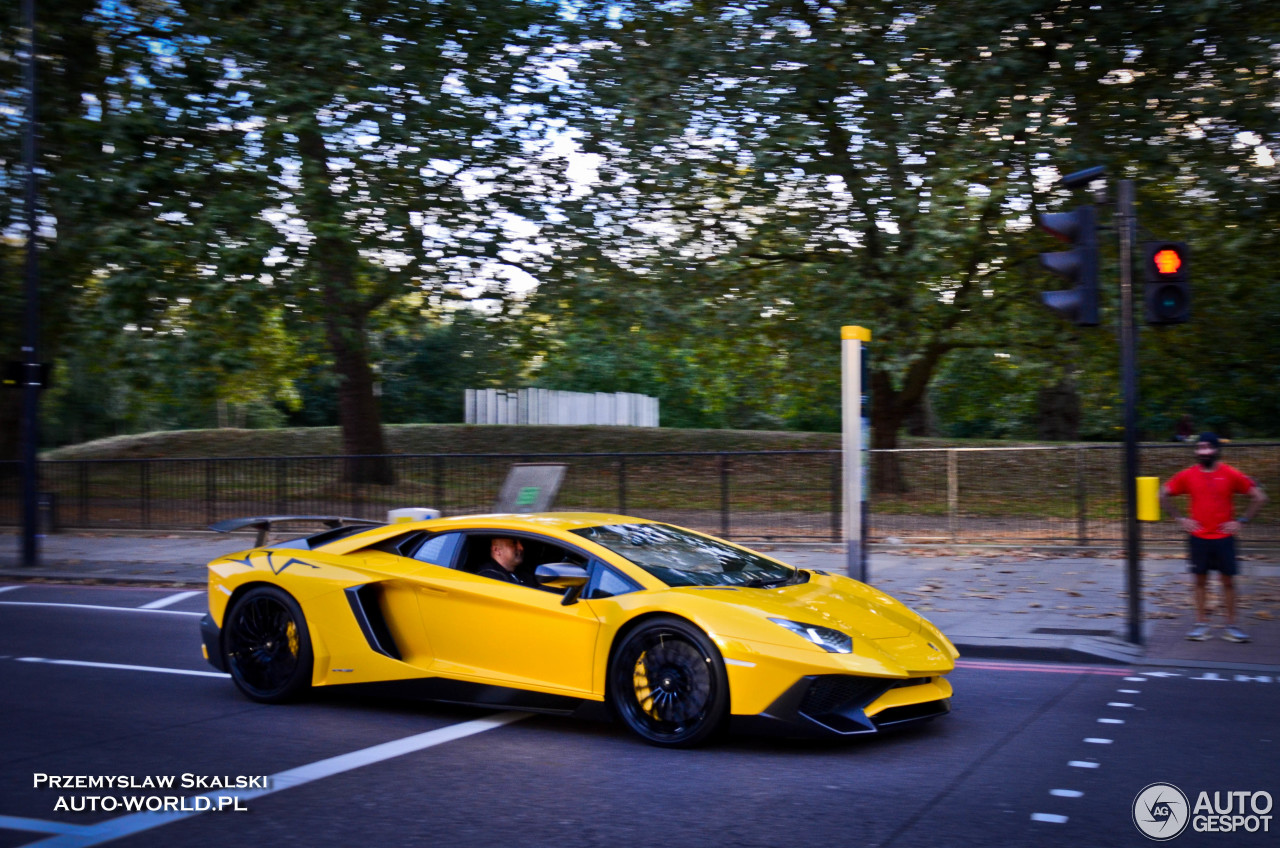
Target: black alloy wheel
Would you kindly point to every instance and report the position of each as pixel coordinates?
(667, 682)
(266, 645)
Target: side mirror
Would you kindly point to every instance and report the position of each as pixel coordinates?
(563, 575)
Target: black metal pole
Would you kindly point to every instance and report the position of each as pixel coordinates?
(1129, 372)
(31, 330)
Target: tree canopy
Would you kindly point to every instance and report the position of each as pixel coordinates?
(285, 200)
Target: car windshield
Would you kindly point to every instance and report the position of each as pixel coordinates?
(681, 558)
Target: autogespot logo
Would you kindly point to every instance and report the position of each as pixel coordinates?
(1160, 811)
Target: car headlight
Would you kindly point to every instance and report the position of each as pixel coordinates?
(830, 640)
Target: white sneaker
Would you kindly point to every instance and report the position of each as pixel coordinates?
(1235, 634)
(1199, 633)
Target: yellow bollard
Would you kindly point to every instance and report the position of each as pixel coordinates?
(1148, 498)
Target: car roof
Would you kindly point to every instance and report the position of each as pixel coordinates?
(534, 522)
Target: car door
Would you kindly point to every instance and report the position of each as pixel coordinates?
(505, 633)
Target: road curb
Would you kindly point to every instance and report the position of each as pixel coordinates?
(41, 575)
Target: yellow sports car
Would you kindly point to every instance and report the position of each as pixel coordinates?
(680, 633)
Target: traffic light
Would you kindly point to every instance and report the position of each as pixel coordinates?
(1168, 285)
(1079, 265)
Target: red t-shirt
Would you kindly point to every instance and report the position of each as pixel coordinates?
(1211, 493)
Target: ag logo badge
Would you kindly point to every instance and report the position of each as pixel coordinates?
(1161, 811)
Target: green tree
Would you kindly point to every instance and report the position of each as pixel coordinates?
(295, 167)
(880, 163)
(72, 72)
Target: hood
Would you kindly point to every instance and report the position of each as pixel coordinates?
(829, 601)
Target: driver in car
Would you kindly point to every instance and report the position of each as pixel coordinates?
(505, 556)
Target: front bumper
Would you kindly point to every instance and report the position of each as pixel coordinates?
(850, 705)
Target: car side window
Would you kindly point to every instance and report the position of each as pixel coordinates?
(607, 583)
(438, 550)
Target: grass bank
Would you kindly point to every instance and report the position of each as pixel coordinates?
(440, 438)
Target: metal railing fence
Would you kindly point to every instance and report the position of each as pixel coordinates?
(1043, 495)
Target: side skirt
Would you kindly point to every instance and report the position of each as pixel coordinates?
(470, 694)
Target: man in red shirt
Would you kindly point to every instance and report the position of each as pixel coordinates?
(1212, 526)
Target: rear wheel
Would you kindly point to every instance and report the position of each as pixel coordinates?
(667, 682)
(267, 647)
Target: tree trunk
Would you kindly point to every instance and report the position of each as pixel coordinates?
(887, 416)
(358, 410)
(337, 262)
(1058, 412)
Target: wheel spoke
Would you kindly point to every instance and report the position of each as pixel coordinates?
(671, 682)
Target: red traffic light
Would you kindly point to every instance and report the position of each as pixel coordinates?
(1166, 266)
(1168, 261)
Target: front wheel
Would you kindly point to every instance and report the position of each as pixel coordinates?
(668, 683)
(267, 647)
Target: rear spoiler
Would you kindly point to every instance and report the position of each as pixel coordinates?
(263, 523)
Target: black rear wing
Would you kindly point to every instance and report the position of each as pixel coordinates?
(263, 523)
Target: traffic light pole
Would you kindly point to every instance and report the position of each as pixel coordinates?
(30, 383)
(1127, 227)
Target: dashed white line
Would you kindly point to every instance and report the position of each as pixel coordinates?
(10, 588)
(1055, 818)
(122, 667)
(169, 600)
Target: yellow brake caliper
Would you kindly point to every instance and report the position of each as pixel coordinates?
(644, 692)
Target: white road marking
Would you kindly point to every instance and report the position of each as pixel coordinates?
(10, 588)
(1083, 764)
(1136, 679)
(1129, 691)
(169, 600)
(1066, 793)
(123, 826)
(122, 667)
(1048, 817)
(96, 607)
(1119, 704)
(1110, 721)
(1093, 740)
(37, 825)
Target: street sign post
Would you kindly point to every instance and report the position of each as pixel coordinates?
(856, 429)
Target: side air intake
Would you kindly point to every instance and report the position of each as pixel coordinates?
(365, 604)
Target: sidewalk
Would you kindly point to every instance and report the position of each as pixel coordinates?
(1007, 605)
(1038, 606)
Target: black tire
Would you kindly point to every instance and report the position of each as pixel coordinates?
(667, 683)
(266, 645)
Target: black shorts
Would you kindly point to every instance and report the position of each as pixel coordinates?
(1212, 554)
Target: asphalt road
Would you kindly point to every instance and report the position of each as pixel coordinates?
(1033, 754)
